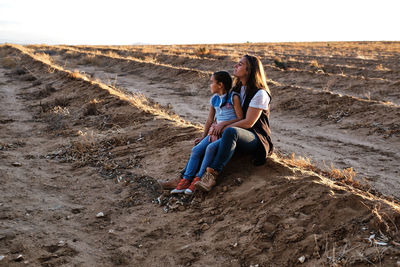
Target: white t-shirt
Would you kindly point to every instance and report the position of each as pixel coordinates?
(260, 100)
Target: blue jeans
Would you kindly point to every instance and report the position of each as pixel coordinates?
(204, 152)
(234, 138)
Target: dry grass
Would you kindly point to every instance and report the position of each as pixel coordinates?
(90, 59)
(380, 67)
(112, 54)
(94, 151)
(47, 91)
(78, 75)
(91, 108)
(316, 67)
(150, 58)
(4, 51)
(204, 51)
(45, 58)
(62, 101)
(329, 84)
(301, 162)
(8, 62)
(279, 63)
(345, 176)
(61, 110)
(72, 54)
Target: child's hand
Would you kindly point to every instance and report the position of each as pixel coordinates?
(198, 140)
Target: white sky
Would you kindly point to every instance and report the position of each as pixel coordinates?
(202, 21)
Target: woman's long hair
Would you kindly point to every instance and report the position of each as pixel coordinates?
(256, 78)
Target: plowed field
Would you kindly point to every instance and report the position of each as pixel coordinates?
(86, 131)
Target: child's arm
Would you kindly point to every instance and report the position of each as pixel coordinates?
(239, 116)
(210, 120)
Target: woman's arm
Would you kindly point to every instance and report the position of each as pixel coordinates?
(239, 116)
(252, 115)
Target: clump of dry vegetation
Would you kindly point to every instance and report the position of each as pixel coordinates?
(90, 59)
(57, 118)
(279, 63)
(380, 67)
(96, 152)
(91, 108)
(150, 58)
(203, 51)
(8, 62)
(62, 101)
(316, 67)
(45, 58)
(71, 54)
(46, 91)
(59, 102)
(345, 176)
(301, 162)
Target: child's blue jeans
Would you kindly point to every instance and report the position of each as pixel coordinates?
(202, 155)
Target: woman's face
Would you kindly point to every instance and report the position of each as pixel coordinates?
(240, 69)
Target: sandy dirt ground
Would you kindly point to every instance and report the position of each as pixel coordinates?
(80, 159)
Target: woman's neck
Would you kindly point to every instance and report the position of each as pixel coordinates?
(243, 81)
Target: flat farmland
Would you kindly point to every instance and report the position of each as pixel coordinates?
(87, 130)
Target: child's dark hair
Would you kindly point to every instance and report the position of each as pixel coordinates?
(225, 78)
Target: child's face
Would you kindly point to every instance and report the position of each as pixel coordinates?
(240, 69)
(216, 87)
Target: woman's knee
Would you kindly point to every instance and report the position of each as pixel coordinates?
(231, 133)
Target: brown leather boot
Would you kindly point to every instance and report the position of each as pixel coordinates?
(169, 184)
(208, 181)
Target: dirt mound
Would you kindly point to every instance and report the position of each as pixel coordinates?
(84, 148)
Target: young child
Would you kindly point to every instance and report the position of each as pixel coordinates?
(225, 109)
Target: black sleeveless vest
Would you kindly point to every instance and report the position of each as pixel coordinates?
(262, 129)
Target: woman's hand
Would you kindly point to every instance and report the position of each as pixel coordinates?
(218, 129)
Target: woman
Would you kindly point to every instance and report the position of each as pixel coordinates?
(251, 134)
